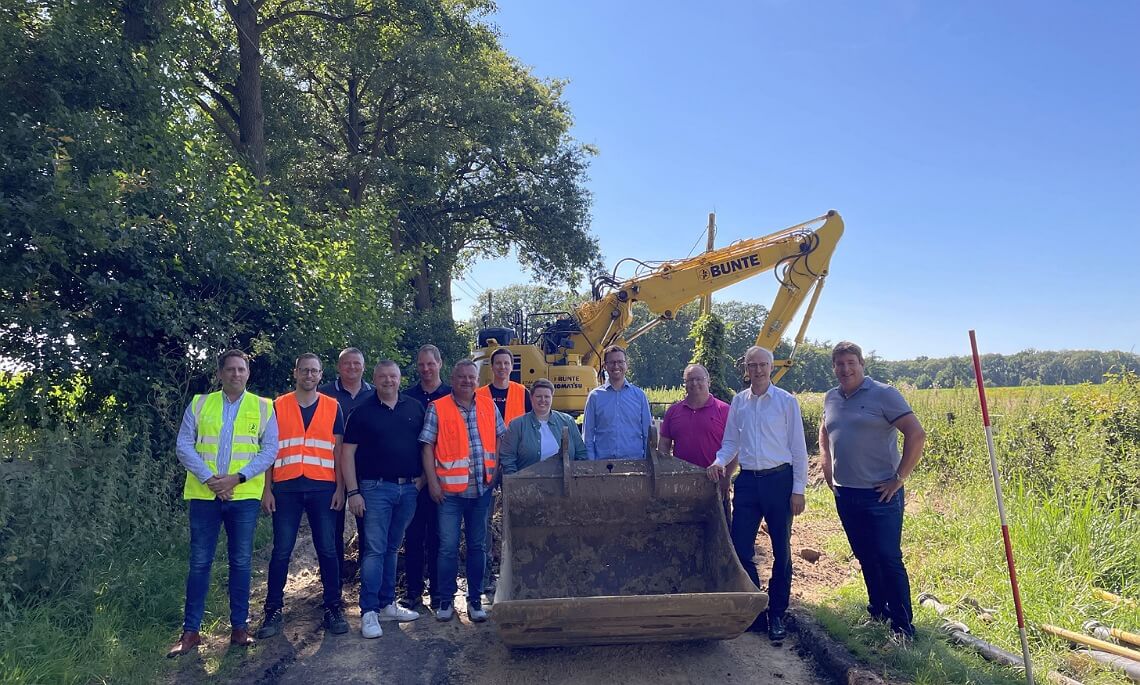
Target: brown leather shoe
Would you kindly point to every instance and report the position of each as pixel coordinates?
(189, 640)
(241, 637)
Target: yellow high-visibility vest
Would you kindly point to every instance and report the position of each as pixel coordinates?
(252, 417)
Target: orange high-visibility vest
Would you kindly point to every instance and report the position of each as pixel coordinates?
(301, 451)
(453, 448)
(516, 399)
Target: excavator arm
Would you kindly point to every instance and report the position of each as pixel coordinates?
(800, 255)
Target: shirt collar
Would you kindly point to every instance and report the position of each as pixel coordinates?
(862, 386)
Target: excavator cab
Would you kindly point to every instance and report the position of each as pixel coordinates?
(613, 552)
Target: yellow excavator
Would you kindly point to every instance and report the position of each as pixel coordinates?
(568, 349)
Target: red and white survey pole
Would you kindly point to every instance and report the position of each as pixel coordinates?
(1001, 510)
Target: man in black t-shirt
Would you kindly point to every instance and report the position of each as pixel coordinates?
(349, 389)
(421, 546)
(383, 473)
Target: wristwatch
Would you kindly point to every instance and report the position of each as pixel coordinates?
(241, 477)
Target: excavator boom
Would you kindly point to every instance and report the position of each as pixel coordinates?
(569, 351)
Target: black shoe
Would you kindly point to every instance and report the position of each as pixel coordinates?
(334, 621)
(271, 624)
(760, 625)
(776, 629)
(882, 615)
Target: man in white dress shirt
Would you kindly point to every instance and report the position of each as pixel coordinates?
(766, 432)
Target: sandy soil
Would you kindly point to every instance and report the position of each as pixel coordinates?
(427, 651)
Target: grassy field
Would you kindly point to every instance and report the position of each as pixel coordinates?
(1069, 459)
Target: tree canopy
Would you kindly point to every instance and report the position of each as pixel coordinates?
(182, 177)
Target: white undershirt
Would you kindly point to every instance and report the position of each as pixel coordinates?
(550, 445)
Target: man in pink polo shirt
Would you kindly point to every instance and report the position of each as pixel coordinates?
(694, 427)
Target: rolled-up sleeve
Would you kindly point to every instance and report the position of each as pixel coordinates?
(184, 448)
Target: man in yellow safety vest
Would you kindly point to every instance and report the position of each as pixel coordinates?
(227, 441)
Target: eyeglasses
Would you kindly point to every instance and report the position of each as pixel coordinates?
(309, 372)
(757, 366)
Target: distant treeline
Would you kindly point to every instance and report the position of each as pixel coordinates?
(812, 371)
(1029, 367)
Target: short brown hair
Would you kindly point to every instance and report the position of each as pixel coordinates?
(847, 347)
(232, 353)
(432, 349)
(502, 350)
(613, 348)
(350, 350)
(542, 383)
(307, 355)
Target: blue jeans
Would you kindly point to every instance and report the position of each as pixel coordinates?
(388, 508)
(421, 550)
(767, 497)
(207, 517)
(471, 512)
(874, 530)
(286, 523)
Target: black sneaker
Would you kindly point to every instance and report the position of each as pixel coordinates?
(334, 621)
(271, 624)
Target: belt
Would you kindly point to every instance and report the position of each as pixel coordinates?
(397, 481)
(766, 472)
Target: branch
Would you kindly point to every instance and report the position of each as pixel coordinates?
(220, 99)
(286, 16)
(220, 122)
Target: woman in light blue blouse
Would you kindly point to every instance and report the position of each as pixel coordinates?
(537, 434)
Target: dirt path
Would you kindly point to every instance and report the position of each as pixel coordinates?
(427, 651)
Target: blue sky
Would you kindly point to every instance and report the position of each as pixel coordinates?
(985, 156)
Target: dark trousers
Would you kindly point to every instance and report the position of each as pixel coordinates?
(874, 530)
(768, 497)
(421, 549)
(339, 536)
(286, 523)
(207, 517)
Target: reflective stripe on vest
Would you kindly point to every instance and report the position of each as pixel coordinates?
(253, 416)
(516, 400)
(453, 445)
(304, 451)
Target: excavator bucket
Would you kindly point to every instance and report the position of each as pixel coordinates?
(613, 552)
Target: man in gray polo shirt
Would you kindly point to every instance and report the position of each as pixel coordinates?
(858, 448)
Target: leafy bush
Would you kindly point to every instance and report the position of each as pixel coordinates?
(73, 497)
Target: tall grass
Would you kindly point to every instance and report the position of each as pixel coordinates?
(93, 540)
(1069, 461)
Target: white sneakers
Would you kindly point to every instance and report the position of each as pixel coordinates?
(370, 625)
(476, 612)
(395, 612)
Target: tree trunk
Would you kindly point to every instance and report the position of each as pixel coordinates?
(251, 122)
(355, 125)
(142, 21)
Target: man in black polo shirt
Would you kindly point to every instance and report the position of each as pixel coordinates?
(349, 390)
(383, 474)
(422, 544)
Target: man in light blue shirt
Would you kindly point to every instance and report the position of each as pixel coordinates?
(616, 418)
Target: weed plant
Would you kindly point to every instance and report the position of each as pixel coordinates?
(93, 539)
(1069, 460)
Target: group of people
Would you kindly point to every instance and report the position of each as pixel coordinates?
(757, 444)
(418, 467)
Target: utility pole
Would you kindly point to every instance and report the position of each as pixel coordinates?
(706, 300)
